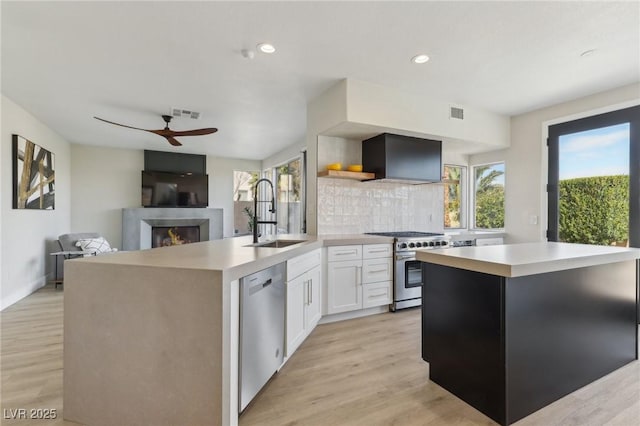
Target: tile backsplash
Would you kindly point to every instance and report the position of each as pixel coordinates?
(353, 207)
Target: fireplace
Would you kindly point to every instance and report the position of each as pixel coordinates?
(163, 236)
(144, 228)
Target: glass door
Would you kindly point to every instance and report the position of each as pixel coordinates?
(289, 194)
(594, 180)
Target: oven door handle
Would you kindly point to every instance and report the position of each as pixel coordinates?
(410, 257)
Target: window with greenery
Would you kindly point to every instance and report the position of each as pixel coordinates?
(243, 183)
(593, 186)
(454, 190)
(290, 195)
(488, 206)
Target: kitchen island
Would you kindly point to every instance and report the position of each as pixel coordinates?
(511, 328)
(151, 336)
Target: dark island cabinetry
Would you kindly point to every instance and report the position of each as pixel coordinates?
(510, 345)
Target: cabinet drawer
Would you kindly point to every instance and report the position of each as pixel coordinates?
(372, 251)
(339, 253)
(377, 294)
(375, 270)
(303, 263)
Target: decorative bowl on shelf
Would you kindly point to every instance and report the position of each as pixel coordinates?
(354, 167)
(335, 166)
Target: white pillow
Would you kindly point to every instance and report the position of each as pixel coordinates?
(98, 245)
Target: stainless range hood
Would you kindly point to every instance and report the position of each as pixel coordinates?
(403, 159)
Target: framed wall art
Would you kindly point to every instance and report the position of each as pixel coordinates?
(33, 176)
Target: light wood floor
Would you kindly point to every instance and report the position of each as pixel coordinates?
(366, 371)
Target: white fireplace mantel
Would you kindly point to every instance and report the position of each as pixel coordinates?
(138, 222)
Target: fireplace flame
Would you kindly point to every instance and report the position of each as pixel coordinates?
(175, 237)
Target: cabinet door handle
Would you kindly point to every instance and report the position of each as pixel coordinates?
(343, 253)
(359, 274)
(377, 295)
(310, 291)
(306, 288)
(379, 251)
(377, 271)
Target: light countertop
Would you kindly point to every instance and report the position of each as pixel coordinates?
(233, 256)
(514, 260)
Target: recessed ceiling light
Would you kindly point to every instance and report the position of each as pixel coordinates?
(587, 53)
(420, 59)
(266, 48)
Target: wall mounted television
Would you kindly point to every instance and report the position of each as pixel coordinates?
(162, 189)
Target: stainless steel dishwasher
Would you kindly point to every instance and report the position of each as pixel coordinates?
(262, 317)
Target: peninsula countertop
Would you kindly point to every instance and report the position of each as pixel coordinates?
(515, 260)
(235, 256)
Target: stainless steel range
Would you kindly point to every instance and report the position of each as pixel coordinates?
(407, 283)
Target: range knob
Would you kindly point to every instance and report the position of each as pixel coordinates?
(437, 243)
(403, 245)
(418, 244)
(445, 243)
(411, 245)
(431, 244)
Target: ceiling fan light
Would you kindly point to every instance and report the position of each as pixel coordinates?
(266, 48)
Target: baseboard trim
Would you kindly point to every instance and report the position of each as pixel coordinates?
(326, 319)
(23, 292)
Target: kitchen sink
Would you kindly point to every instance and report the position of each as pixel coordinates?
(277, 243)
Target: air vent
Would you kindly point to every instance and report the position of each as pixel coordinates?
(180, 112)
(457, 113)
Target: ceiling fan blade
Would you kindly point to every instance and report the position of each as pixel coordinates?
(122, 125)
(195, 132)
(167, 133)
(172, 141)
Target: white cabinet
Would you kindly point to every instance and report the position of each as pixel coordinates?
(376, 294)
(342, 253)
(344, 289)
(358, 276)
(312, 306)
(373, 251)
(376, 270)
(295, 330)
(303, 298)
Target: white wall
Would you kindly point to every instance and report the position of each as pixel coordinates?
(382, 106)
(526, 159)
(283, 156)
(323, 113)
(106, 180)
(28, 236)
(351, 108)
(103, 182)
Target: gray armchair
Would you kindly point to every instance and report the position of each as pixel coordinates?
(68, 241)
(67, 244)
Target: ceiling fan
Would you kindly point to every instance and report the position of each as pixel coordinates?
(167, 133)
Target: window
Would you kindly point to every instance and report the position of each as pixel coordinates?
(289, 182)
(243, 183)
(594, 184)
(454, 196)
(488, 196)
(289, 195)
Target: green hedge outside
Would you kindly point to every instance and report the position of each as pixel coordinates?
(594, 210)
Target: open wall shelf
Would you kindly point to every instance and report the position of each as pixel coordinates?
(343, 174)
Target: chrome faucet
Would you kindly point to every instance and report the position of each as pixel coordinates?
(255, 208)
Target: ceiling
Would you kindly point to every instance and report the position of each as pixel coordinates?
(130, 62)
